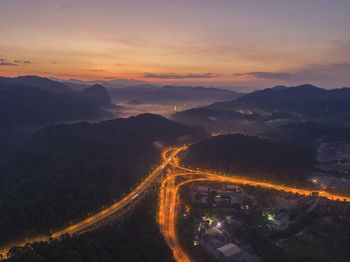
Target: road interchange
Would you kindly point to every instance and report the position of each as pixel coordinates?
(169, 200)
(167, 156)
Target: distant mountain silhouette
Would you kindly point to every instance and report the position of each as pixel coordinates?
(281, 87)
(40, 82)
(170, 94)
(114, 83)
(95, 94)
(277, 98)
(23, 106)
(306, 102)
(98, 94)
(198, 115)
(138, 92)
(75, 86)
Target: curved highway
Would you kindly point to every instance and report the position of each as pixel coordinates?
(167, 155)
(169, 199)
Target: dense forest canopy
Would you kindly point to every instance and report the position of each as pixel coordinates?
(137, 239)
(274, 160)
(65, 172)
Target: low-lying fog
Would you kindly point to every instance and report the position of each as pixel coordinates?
(164, 110)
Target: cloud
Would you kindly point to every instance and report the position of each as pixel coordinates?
(16, 62)
(4, 62)
(110, 78)
(7, 64)
(178, 76)
(96, 70)
(312, 72)
(268, 75)
(22, 61)
(68, 75)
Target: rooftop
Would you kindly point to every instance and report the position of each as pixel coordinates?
(229, 249)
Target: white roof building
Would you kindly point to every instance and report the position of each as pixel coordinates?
(230, 250)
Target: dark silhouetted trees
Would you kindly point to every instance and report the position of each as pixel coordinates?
(274, 160)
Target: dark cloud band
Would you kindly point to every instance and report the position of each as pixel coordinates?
(179, 76)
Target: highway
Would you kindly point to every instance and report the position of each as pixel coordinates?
(167, 156)
(167, 218)
(169, 199)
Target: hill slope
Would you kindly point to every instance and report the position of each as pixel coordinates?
(26, 106)
(280, 161)
(306, 100)
(40, 82)
(273, 106)
(66, 171)
(170, 94)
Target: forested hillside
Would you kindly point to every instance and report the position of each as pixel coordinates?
(281, 161)
(136, 240)
(27, 106)
(65, 172)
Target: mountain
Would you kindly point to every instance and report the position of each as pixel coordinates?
(139, 92)
(306, 100)
(276, 99)
(76, 86)
(197, 115)
(120, 82)
(170, 94)
(40, 82)
(114, 83)
(95, 94)
(65, 171)
(98, 94)
(26, 108)
(206, 93)
(278, 104)
(32, 101)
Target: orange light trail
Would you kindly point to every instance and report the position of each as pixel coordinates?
(168, 200)
(167, 155)
(169, 197)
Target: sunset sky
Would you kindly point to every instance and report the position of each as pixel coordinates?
(232, 43)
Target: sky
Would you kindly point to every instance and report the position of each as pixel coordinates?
(250, 44)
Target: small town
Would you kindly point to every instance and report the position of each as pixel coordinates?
(224, 209)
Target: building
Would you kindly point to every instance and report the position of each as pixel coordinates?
(202, 189)
(233, 188)
(222, 202)
(230, 252)
(237, 199)
(204, 200)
